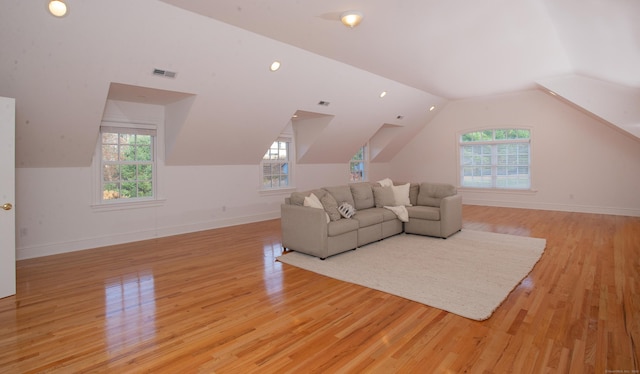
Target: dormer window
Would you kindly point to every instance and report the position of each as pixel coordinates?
(358, 165)
(276, 165)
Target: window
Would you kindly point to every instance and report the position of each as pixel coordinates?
(496, 158)
(128, 163)
(357, 165)
(276, 170)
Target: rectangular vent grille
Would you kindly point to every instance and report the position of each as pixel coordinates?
(323, 103)
(164, 73)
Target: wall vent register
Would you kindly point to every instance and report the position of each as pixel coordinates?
(164, 73)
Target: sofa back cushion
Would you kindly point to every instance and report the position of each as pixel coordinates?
(414, 189)
(297, 198)
(383, 196)
(362, 195)
(342, 194)
(431, 193)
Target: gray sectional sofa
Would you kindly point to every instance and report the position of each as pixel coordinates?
(315, 225)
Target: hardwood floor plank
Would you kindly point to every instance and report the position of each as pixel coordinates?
(217, 301)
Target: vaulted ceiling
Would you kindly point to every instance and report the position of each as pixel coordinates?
(454, 48)
(225, 107)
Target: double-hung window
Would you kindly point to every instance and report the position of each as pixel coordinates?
(496, 158)
(128, 162)
(358, 165)
(276, 165)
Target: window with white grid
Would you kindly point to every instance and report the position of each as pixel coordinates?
(496, 158)
(276, 165)
(128, 163)
(358, 166)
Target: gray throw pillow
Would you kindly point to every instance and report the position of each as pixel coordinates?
(383, 196)
(331, 207)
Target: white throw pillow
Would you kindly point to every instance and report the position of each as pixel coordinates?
(312, 201)
(401, 194)
(386, 182)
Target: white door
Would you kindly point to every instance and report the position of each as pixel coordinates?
(7, 197)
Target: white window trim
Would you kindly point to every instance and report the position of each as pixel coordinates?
(291, 161)
(526, 191)
(98, 204)
(365, 161)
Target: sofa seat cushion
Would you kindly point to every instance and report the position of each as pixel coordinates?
(387, 215)
(424, 212)
(341, 226)
(368, 217)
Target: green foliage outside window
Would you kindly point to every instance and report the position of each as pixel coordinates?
(500, 158)
(357, 166)
(127, 166)
(497, 134)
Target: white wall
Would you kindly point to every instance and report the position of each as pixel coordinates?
(56, 214)
(578, 162)
(58, 205)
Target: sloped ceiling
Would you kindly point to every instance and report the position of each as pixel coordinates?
(455, 48)
(230, 107)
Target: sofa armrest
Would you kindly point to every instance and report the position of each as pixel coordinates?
(450, 215)
(304, 229)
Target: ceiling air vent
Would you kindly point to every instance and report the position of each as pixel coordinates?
(164, 73)
(323, 103)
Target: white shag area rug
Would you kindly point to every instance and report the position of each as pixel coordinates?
(470, 274)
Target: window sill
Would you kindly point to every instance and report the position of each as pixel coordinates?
(530, 191)
(278, 191)
(125, 205)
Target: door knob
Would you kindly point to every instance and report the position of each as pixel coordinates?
(7, 206)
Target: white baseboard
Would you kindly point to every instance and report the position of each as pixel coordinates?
(556, 207)
(23, 253)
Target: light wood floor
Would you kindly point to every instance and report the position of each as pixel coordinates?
(216, 301)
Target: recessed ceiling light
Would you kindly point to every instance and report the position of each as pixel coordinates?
(58, 8)
(351, 18)
(383, 93)
(275, 66)
(432, 108)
